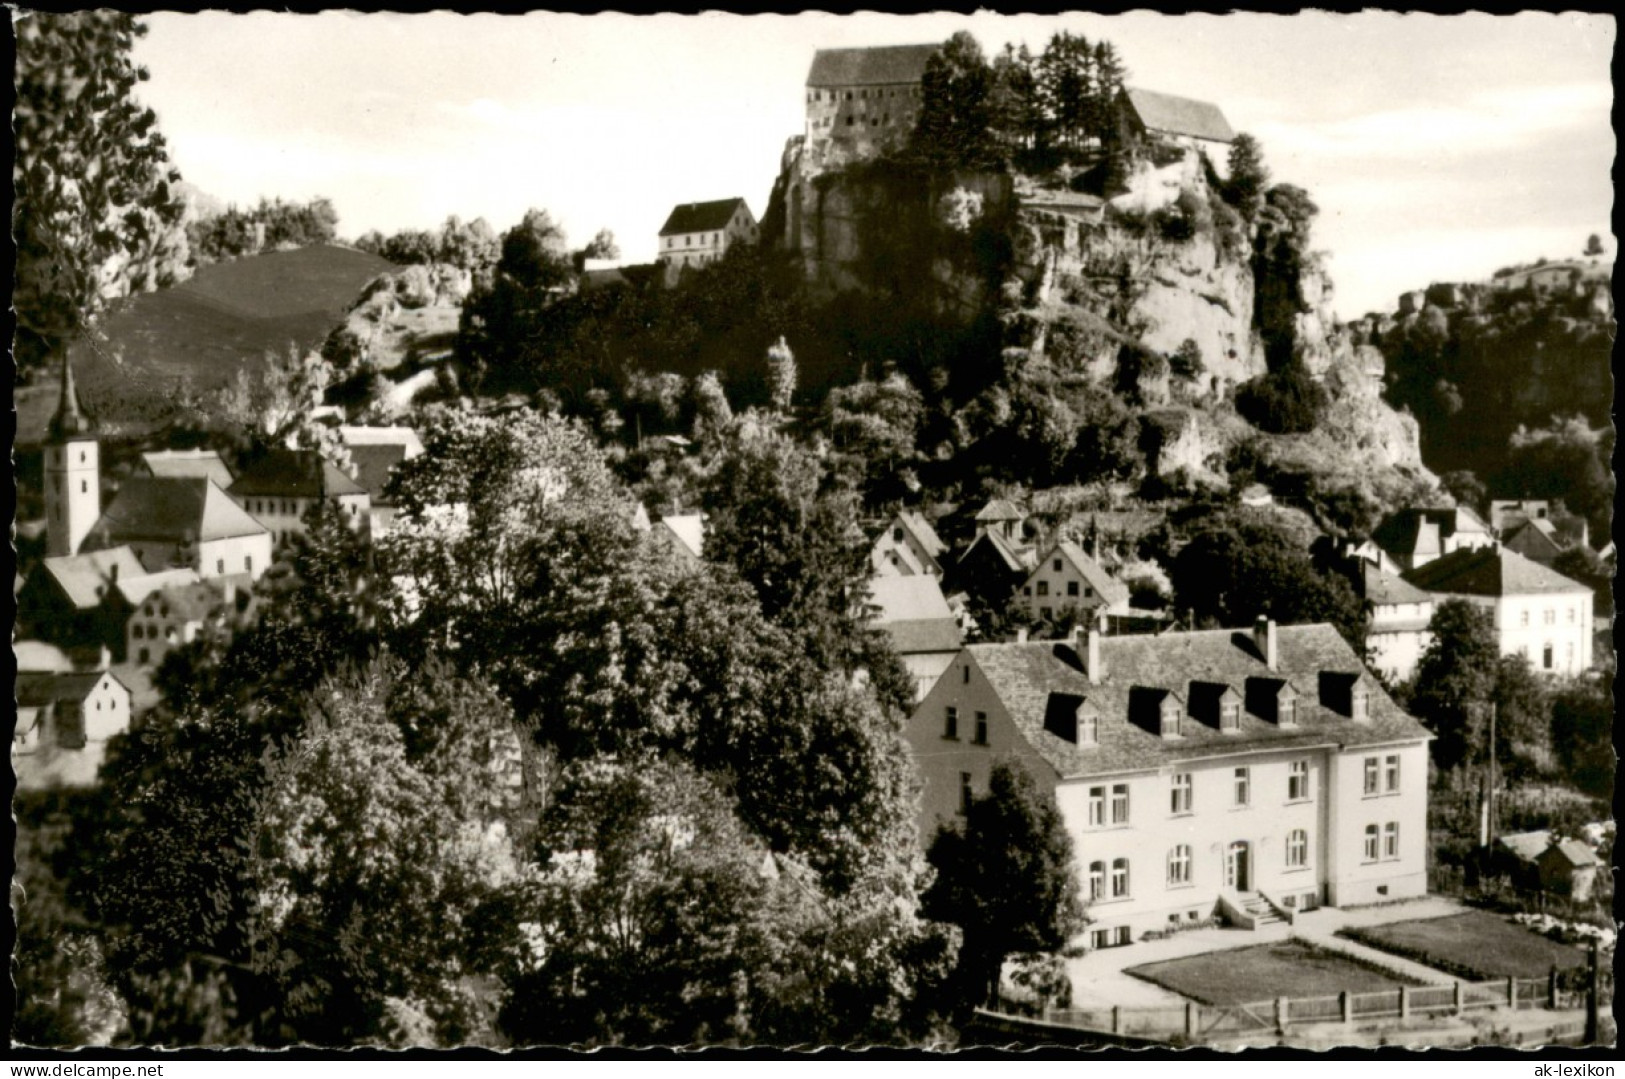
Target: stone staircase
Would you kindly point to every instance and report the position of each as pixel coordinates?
(1260, 910)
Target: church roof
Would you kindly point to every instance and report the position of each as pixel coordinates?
(69, 422)
(879, 66)
(174, 510)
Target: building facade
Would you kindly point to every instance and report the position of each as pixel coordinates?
(868, 98)
(907, 547)
(1193, 771)
(174, 523)
(700, 233)
(73, 496)
(63, 724)
(1415, 537)
(1400, 616)
(281, 489)
(1066, 579)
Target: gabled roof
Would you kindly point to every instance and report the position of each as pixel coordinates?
(879, 66)
(1526, 845)
(1179, 115)
(1490, 571)
(1533, 539)
(137, 589)
(923, 533)
(1408, 531)
(1107, 587)
(1015, 559)
(1383, 589)
(187, 464)
(701, 216)
(189, 602)
(174, 511)
(38, 657)
(84, 578)
(294, 474)
(689, 529)
(1573, 851)
(34, 690)
(914, 614)
(1026, 675)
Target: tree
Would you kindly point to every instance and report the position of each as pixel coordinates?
(271, 406)
(713, 416)
(1582, 735)
(1237, 568)
(1006, 877)
(956, 120)
(498, 328)
(1065, 76)
(1455, 682)
(1249, 177)
(1581, 563)
(97, 214)
(603, 246)
(781, 375)
(1186, 362)
(1467, 489)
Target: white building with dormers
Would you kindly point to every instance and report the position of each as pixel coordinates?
(1242, 774)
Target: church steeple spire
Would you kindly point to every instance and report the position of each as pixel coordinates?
(69, 421)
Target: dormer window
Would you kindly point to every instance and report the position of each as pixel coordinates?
(1230, 716)
(1286, 713)
(1170, 717)
(1088, 726)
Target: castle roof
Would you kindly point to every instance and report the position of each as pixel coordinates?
(1490, 571)
(173, 510)
(879, 66)
(295, 474)
(1139, 672)
(701, 216)
(1179, 115)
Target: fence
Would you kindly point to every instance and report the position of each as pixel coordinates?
(1206, 1022)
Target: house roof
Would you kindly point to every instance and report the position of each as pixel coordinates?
(1313, 660)
(374, 464)
(295, 474)
(1533, 539)
(999, 509)
(914, 614)
(923, 533)
(34, 690)
(205, 464)
(1526, 845)
(1573, 851)
(879, 66)
(137, 589)
(1407, 531)
(701, 216)
(1107, 587)
(1015, 559)
(1490, 571)
(174, 510)
(1180, 115)
(189, 602)
(1382, 589)
(84, 577)
(38, 657)
(689, 529)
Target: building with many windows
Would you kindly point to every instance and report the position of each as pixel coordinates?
(1202, 773)
(1539, 613)
(700, 233)
(868, 98)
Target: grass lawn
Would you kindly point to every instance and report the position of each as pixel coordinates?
(1263, 972)
(1477, 944)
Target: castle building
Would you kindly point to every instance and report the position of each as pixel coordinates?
(1241, 774)
(73, 497)
(867, 97)
(699, 233)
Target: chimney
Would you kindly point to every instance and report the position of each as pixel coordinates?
(1091, 661)
(1264, 640)
(1021, 635)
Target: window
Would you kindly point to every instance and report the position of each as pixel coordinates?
(950, 723)
(1287, 711)
(1297, 781)
(1390, 840)
(1120, 803)
(1097, 879)
(1230, 716)
(897, 535)
(1550, 617)
(1370, 786)
(1043, 588)
(965, 672)
(1119, 878)
(1072, 588)
(84, 486)
(1523, 618)
(1358, 704)
(1179, 866)
(145, 657)
(220, 565)
(1088, 727)
(964, 793)
(136, 631)
(248, 563)
(1297, 849)
(1546, 656)
(1097, 806)
(1571, 616)
(1243, 786)
(980, 738)
(1371, 842)
(1170, 718)
(1056, 565)
(1390, 773)
(1180, 793)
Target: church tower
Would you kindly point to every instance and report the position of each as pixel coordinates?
(73, 496)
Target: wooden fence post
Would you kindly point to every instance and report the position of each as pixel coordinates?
(1512, 992)
(1551, 988)
(1347, 1002)
(1117, 1019)
(1460, 1000)
(1280, 1015)
(1190, 1019)
(1404, 1002)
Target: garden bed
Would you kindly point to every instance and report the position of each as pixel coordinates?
(1476, 946)
(1289, 968)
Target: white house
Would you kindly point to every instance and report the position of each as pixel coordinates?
(700, 233)
(1400, 616)
(1539, 614)
(1244, 773)
(172, 522)
(172, 616)
(922, 628)
(375, 453)
(906, 547)
(280, 489)
(63, 723)
(1067, 579)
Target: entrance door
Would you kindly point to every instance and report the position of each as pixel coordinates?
(1237, 875)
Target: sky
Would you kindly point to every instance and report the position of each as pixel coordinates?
(1437, 147)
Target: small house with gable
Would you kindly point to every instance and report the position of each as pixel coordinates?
(63, 723)
(908, 546)
(700, 233)
(1065, 579)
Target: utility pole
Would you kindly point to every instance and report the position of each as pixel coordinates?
(1490, 811)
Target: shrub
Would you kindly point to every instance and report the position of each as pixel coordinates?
(1282, 402)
